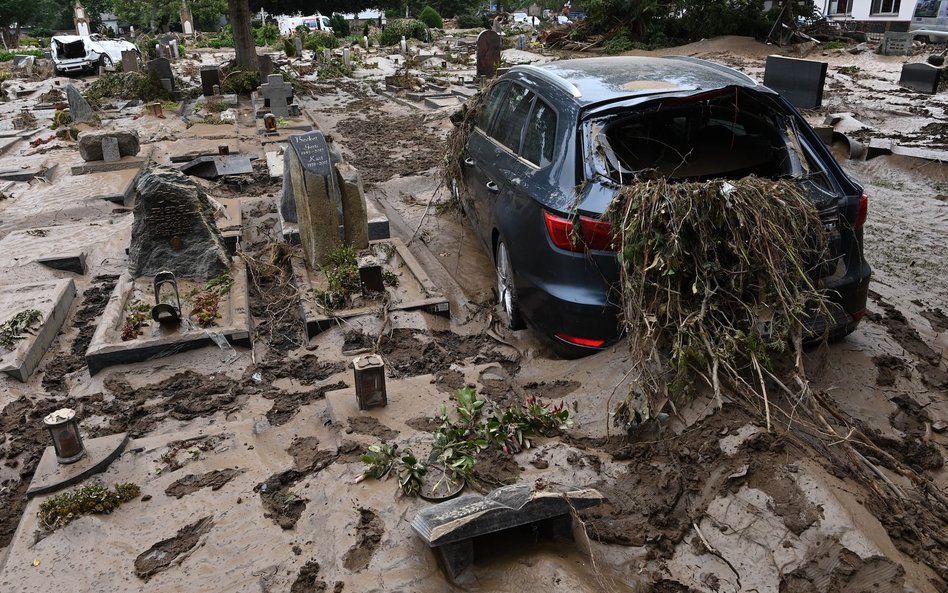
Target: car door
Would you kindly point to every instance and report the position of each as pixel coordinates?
(505, 168)
(478, 152)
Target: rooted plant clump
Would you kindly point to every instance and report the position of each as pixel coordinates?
(63, 508)
(135, 320)
(715, 278)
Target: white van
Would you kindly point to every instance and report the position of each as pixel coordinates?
(316, 22)
(931, 15)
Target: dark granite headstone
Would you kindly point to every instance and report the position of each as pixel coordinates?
(450, 526)
(922, 78)
(90, 144)
(130, 60)
(277, 94)
(310, 173)
(266, 67)
(160, 69)
(210, 77)
(488, 53)
(799, 81)
(174, 229)
(79, 108)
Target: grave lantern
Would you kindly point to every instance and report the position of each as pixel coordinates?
(270, 123)
(370, 381)
(64, 429)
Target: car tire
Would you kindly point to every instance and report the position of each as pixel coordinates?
(105, 62)
(506, 290)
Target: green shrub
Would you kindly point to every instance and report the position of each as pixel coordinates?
(339, 24)
(399, 28)
(266, 35)
(430, 17)
(471, 21)
(93, 499)
(318, 40)
(240, 82)
(288, 48)
(618, 44)
(146, 46)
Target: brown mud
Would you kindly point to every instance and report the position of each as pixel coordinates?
(369, 532)
(409, 353)
(286, 405)
(370, 426)
(214, 480)
(167, 552)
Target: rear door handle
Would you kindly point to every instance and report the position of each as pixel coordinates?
(469, 162)
(492, 187)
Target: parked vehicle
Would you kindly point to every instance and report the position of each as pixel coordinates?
(74, 53)
(557, 141)
(316, 22)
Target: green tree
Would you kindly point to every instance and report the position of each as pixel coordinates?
(158, 15)
(16, 14)
(430, 17)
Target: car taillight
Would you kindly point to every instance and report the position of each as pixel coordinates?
(863, 212)
(594, 234)
(588, 342)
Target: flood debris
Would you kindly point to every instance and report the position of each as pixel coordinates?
(61, 509)
(173, 550)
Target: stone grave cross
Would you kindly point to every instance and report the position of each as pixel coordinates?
(277, 92)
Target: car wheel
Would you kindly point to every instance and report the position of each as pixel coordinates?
(506, 291)
(105, 62)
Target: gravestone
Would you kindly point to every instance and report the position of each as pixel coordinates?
(277, 94)
(922, 78)
(799, 81)
(521, 42)
(896, 43)
(488, 53)
(266, 67)
(110, 149)
(91, 144)
(210, 77)
(298, 45)
(450, 526)
(130, 61)
(79, 108)
(187, 19)
(160, 69)
(346, 58)
(81, 19)
(355, 222)
(310, 172)
(174, 229)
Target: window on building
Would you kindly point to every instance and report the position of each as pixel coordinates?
(840, 7)
(885, 6)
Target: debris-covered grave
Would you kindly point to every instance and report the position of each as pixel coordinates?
(182, 289)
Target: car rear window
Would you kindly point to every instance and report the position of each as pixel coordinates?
(509, 128)
(541, 135)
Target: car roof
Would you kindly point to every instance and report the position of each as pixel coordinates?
(595, 80)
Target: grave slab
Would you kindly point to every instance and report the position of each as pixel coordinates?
(108, 349)
(52, 476)
(122, 164)
(415, 290)
(79, 108)
(799, 81)
(52, 299)
(229, 222)
(449, 527)
(922, 78)
(212, 167)
(74, 261)
(378, 225)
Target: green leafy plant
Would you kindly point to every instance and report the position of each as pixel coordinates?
(379, 460)
(319, 40)
(266, 34)
(135, 320)
(430, 17)
(342, 278)
(63, 508)
(15, 329)
(411, 473)
(339, 24)
(407, 28)
(240, 82)
(60, 119)
(126, 85)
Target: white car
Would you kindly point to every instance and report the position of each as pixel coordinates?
(74, 53)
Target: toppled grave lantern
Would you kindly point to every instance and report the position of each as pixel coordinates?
(370, 381)
(269, 124)
(370, 275)
(64, 430)
(155, 109)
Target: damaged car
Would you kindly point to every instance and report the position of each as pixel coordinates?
(73, 54)
(552, 145)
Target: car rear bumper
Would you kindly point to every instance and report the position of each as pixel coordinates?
(847, 303)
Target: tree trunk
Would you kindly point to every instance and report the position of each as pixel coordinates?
(243, 35)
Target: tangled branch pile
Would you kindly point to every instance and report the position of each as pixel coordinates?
(464, 121)
(126, 85)
(16, 328)
(715, 277)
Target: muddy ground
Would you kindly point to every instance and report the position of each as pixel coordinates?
(248, 468)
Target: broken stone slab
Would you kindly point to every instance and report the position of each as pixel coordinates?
(90, 144)
(800, 81)
(896, 43)
(450, 526)
(922, 78)
(74, 262)
(354, 218)
(105, 166)
(51, 476)
(174, 229)
(214, 166)
(23, 174)
(79, 108)
(53, 300)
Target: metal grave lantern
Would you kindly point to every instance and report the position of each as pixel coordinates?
(370, 381)
(64, 429)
